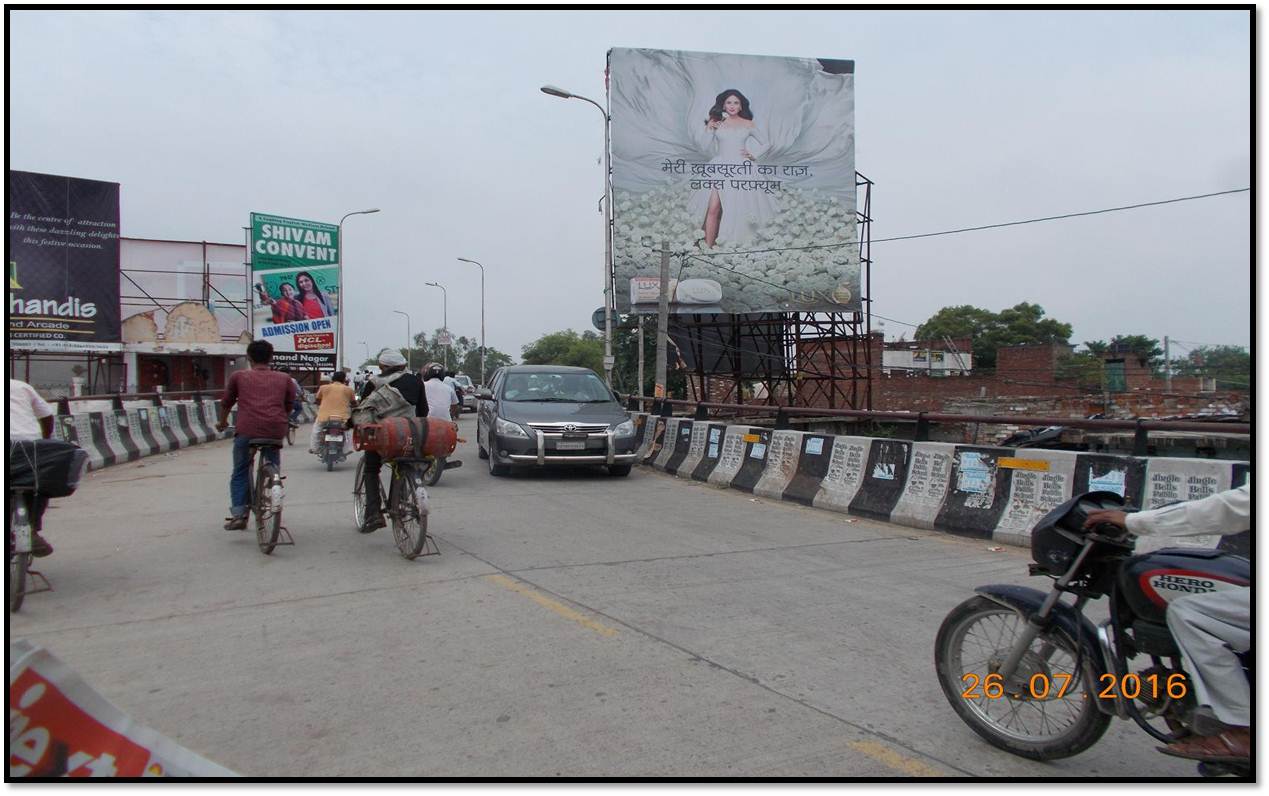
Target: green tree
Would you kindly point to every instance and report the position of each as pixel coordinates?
(625, 349)
(585, 350)
(1021, 324)
(1230, 365)
(1145, 349)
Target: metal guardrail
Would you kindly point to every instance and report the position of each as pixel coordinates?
(157, 398)
(1140, 426)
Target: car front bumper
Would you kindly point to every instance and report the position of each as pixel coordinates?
(542, 450)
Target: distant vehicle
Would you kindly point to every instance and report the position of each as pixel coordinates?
(535, 415)
(469, 392)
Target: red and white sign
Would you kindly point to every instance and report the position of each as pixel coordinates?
(316, 341)
(60, 727)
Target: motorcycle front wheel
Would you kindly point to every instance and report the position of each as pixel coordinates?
(1052, 712)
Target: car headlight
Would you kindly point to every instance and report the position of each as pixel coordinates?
(626, 429)
(509, 429)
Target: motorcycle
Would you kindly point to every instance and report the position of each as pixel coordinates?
(1034, 677)
(333, 440)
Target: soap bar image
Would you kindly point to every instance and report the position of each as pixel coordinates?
(699, 291)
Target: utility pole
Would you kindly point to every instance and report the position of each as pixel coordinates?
(639, 319)
(1167, 365)
(663, 320)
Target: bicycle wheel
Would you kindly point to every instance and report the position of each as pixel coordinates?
(434, 469)
(359, 493)
(409, 523)
(268, 507)
(18, 562)
(290, 434)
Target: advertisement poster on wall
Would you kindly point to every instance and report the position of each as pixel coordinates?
(295, 289)
(63, 263)
(744, 167)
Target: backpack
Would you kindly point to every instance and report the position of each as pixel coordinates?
(384, 401)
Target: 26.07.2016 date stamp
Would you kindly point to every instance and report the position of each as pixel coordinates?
(1042, 686)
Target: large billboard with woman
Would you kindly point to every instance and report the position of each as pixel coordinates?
(744, 166)
(295, 289)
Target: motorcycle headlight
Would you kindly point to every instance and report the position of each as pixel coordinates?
(626, 429)
(508, 429)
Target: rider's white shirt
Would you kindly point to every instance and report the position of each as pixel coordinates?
(440, 397)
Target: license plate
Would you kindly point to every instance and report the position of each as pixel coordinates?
(334, 438)
(571, 446)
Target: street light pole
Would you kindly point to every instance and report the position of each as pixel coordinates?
(607, 202)
(409, 339)
(339, 244)
(445, 316)
(482, 315)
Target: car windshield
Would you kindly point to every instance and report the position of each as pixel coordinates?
(586, 388)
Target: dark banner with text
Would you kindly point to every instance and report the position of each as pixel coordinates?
(63, 255)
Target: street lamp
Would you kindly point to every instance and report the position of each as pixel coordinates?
(445, 316)
(555, 91)
(339, 243)
(409, 346)
(482, 315)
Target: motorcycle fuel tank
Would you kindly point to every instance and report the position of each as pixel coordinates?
(1149, 582)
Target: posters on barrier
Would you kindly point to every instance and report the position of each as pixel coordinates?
(60, 726)
(745, 165)
(63, 259)
(782, 464)
(1177, 480)
(295, 289)
(1041, 480)
(928, 480)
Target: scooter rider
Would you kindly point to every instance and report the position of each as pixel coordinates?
(442, 401)
(334, 402)
(1210, 628)
(411, 389)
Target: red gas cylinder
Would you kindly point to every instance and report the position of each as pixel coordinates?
(407, 437)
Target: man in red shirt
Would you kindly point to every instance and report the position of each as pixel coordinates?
(264, 398)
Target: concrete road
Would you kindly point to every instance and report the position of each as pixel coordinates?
(575, 624)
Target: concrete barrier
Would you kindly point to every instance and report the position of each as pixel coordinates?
(991, 493)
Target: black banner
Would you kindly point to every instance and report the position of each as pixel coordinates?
(63, 256)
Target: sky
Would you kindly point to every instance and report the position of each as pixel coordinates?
(963, 118)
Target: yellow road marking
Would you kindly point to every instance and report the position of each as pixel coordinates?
(892, 759)
(547, 602)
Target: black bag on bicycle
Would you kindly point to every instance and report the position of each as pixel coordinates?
(49, 467)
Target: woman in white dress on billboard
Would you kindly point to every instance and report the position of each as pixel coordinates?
(731, 214)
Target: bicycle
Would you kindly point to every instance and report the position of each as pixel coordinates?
(19, 540)
(266, 497)
(406, 504)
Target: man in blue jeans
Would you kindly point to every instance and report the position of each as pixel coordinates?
(264, 397)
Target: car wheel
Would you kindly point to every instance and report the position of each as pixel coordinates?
(496, 469)
(618, 470)
(480, 449)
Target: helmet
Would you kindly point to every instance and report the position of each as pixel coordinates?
(434, 370)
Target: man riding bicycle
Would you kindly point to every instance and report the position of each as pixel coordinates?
(410, 400)
(30, 417)
(264, 397)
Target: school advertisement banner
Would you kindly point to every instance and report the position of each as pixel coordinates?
(295, 289)
(744, 167)
(63, 263)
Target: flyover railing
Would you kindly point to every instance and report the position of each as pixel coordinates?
(1141, 427)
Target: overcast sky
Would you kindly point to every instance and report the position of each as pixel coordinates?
(962, 118)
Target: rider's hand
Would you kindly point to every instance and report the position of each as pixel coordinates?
(1106, 516)
(222, 425)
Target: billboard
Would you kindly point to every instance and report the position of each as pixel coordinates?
(744, 166)
(63, 253)
(295, 289)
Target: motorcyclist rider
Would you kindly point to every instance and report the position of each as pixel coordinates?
(334, 402)
(1210, 629)
(412, 391)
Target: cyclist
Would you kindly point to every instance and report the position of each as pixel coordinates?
(297, 400)
(408, 399)
(442, 400)
(30, 417)
(334, 402)
(264, 397)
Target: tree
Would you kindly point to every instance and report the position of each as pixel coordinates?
(1021, 324)
(625, 349)
(1230, 365)
(585, 350)
(1145, 349)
